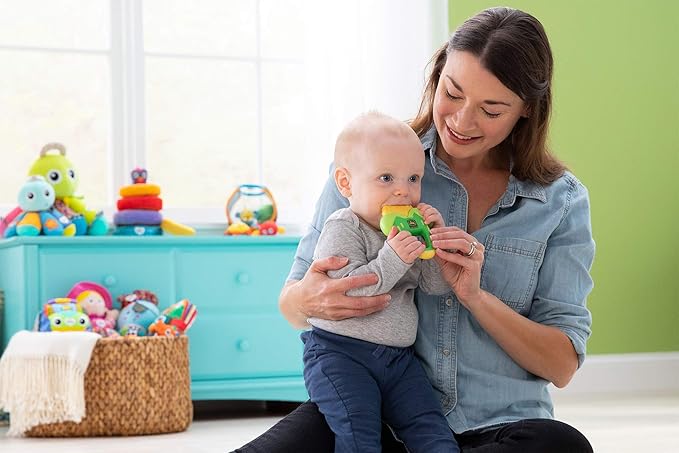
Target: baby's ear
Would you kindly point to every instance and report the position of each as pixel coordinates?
(343, 181)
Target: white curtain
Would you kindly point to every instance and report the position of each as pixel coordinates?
(362, 55)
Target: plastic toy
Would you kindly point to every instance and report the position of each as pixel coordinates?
(139, 175)
(408, 218)
(137, 230)
(176, 228)
(36, 200)
(138, 311)
(238, 229)
(251, 204)
(268, 228)
(63, 314)
(174, 320)
(59, 172)
(96, 302)
(139, 210)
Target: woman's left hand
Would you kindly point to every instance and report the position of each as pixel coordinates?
(460, 257)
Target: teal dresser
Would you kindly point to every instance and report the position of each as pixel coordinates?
(240, 345)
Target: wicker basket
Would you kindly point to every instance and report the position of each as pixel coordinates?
(133, 386)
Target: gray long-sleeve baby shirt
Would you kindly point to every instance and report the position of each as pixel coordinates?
(345, 234)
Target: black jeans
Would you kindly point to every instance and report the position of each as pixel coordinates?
(304, 431)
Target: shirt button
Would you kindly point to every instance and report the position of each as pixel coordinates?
(446, 352)
(449, 302)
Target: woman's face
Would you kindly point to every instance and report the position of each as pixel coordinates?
(473, 110)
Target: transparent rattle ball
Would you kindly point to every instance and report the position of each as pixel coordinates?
(251, 204)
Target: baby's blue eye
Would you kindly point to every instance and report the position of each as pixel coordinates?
(386, 178)
(414, 178)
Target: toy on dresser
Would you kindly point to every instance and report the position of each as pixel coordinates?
(138, 311)
(37, 214)
(251, 210)
(59, 172)
(139, 210)
(96, 302)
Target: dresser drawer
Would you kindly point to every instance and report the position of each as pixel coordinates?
(248, 279)
(232, 347)
(120, 270)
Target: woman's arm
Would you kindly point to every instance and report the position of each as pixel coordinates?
(309, 292)
(543, 350)
(319, 296)
(549, 342)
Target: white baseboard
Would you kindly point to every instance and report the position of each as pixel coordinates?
(639, 373)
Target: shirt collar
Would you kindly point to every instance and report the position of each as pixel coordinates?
(515, 188)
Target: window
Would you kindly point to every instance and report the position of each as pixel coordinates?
(205, 95)
(55, 86)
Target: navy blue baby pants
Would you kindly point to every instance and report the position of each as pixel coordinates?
(356, 383)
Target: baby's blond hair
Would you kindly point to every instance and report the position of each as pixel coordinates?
(366, 129)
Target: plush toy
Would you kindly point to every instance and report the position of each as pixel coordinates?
(138, 311)
(175, 319)
(63, 314)
(96, 302)
(36, 200)
(8, 219)
(59, 172)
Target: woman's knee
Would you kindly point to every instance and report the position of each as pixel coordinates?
(302, 430)
(555, 436)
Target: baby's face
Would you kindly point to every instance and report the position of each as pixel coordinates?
(386, 172)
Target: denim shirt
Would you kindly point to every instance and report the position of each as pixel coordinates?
(538, 254)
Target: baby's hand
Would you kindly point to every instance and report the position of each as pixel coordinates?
(431, 215)
(406, 246)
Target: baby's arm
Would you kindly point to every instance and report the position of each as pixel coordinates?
(343, 238)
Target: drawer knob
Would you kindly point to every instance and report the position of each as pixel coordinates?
(243, 345)
(243, 278)
(110, 280)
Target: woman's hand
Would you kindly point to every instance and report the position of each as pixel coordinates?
(460, 257)
(320, 296)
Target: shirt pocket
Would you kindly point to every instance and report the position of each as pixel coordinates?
(510, 269)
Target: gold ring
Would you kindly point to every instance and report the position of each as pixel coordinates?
(472, 249)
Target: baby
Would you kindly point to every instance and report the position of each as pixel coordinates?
(362, 370)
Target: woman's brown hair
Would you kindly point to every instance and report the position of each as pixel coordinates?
(513, 46)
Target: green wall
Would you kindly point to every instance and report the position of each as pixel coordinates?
(616, 124)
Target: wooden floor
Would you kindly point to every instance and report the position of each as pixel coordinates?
(613, 424)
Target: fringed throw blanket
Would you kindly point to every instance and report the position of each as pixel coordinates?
(42, 378)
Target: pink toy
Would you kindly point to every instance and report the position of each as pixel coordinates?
(8, 219)
(97, 303)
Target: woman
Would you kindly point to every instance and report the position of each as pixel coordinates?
(517, 261)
